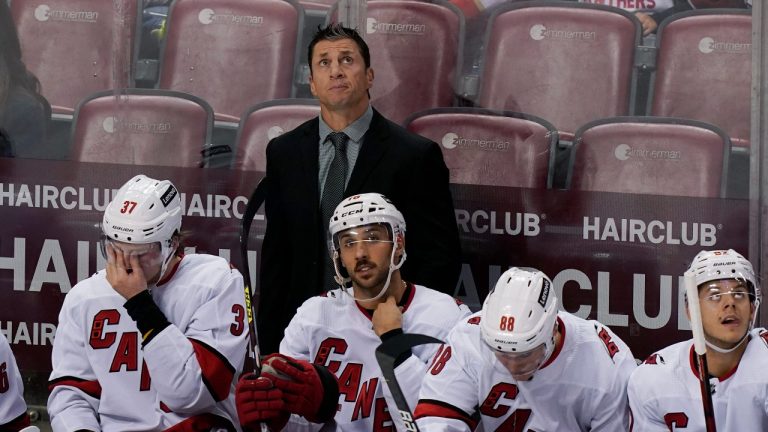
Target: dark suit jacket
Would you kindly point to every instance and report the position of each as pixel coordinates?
(407, 168)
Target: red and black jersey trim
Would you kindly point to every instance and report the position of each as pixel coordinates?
(695, 367)
(405, 301)
(16, 424)
(436, 408)
(559, 346)
(217, 372)
(91, 388)
(172, 272)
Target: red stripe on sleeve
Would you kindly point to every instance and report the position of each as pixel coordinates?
(217, 372)
(16, 424)
(433, 408)
(91, 388)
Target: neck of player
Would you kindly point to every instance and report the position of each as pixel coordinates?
(339, 119)
(396, 289)
(720, 364)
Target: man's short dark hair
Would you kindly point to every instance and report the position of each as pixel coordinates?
(336, 31)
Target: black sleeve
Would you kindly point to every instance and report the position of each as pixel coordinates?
(329, 405)
(432, 236)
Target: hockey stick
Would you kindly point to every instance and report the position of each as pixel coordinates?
(254, 203)
(700, 347)
(386, 355)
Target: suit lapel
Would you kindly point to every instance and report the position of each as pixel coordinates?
(375, 144)
(308, 149)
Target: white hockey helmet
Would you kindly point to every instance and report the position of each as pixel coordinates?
(714, 265)
(724, 264)
(144, 211)
(361, 210)
(526, 298)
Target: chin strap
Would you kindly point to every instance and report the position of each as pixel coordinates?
(743, 338)
(392, 268)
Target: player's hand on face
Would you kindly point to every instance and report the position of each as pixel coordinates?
(124, 272)
(387, 316)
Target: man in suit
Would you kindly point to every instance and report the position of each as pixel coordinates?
(306, 180)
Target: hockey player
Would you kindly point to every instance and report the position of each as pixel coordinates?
(521, 365)
(339, 331)
(664, 392)
(155, 341)
(13, 409)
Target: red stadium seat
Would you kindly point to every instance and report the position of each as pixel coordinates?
(650, 155)
(567, 62)
(415, 47)
(232, 53)
(77, 47)
(265, 121)
(704, 70)
(482, 147)
(142, 127)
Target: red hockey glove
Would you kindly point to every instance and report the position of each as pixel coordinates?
(308, 390)
(258, 400)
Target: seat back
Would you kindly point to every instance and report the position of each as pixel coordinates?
(567, 62)
(142, 127)
(482, 147)
(232, 53)
(650, 155)
(265, 121)
(416, 47)
(77, 47)
(704, 64)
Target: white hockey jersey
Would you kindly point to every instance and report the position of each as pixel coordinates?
(334, 331)
(664, 392)
(103, 379)
(13, 409)
(581, 387)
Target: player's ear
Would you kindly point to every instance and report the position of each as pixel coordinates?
(400, 244)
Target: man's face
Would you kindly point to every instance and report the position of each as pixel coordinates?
(365, 252)
(726, 311)
(339, 78)
(149, 256)
(523, 365)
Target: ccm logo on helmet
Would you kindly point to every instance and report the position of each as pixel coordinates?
(351, 212)
(168, 195)
(544, 294)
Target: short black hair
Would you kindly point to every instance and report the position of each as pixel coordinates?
(336, 31)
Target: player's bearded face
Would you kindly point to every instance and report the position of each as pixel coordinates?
(149, 256)
(726, 311)
(523, 365)
(365, 252)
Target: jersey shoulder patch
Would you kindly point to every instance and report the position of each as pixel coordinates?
(607, 338)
